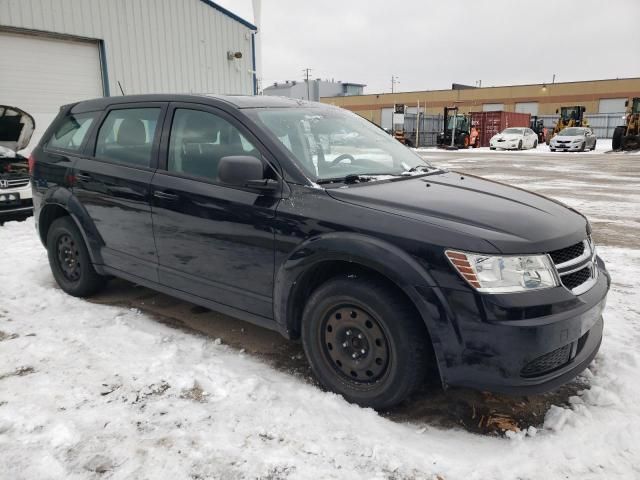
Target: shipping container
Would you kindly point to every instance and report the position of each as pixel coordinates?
(492, 123)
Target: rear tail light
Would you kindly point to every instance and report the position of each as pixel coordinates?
(32, 163)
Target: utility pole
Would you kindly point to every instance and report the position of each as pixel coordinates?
(306, 73)
(394, 81)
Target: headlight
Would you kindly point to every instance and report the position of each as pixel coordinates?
(504, 274)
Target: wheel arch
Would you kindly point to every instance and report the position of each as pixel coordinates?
(61, 202)
(317, 260)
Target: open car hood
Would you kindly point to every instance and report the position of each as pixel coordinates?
(16, 128)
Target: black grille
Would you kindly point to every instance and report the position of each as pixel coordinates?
(568, 253)
(548, 362)
(576, 279)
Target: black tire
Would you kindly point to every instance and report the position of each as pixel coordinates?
(594, 145)
(616, 140)
(69, 259)
(583, 146)
(520, 145)
(535, 144)
(463, 141)
(492, 148)
(552, 149)
(365, 317)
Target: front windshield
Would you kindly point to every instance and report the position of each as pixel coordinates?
(572, 132)
(461, 122)
(330, 143)
(513, 131)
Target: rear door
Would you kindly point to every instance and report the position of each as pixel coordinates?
(113, 184)
(215, 241)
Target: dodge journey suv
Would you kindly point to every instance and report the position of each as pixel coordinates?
(306, 219)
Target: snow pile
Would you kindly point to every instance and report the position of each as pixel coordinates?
(89, 390)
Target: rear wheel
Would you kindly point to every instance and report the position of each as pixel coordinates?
(463, 140)
(69, 259)
(616, 140)
(594, 145)
(365, 341)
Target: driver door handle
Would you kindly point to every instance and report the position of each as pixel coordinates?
(165, 195)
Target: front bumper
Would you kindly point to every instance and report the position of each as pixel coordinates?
(521, 344)
(506, 145)
(566, 147)
(10, 210)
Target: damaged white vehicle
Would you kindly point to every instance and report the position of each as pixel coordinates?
(514, 138)
(16, 129)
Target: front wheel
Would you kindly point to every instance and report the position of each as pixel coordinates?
(365, 341)
(520, 145)
(535, 144)
(69, 259)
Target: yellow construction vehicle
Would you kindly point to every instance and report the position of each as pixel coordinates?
(569, 117)
(627, 136)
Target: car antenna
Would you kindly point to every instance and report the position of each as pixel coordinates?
(120, 85)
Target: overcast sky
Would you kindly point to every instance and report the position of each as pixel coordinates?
(430, 44)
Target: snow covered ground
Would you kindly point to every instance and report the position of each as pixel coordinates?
(90, 391)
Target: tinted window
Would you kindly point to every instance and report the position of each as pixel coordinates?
(126, 136)
(200, 139)
(70, 134)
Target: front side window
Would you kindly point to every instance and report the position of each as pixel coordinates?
(71, 133)
(126, 136)
(200, 139)
(330, 143)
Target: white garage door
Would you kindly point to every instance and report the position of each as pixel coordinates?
(492, 107)
(612, 105)
(39, 74)
(527, 107)
(386, 118)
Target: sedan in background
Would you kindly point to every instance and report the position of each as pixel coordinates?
(514, 138)
(574, 139)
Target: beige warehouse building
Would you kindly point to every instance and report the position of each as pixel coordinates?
(598, 96)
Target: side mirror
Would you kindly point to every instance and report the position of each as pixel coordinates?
(557, 111)
(244, 171)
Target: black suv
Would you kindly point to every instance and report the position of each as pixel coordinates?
(307, 219)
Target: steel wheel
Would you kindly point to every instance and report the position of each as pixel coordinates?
(68, 258)
(355, 345)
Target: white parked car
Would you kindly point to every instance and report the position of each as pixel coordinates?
(514, 138)
(16, 128)
(574, 139)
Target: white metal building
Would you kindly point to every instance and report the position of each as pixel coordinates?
(54, 53)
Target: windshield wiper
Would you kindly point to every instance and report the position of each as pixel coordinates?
(357, 177)
(423, 170)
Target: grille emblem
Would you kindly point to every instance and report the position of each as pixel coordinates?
(4, 183)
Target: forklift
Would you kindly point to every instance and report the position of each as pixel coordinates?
(627, 136)
(572, 116)
(457, 131)
(537, 125)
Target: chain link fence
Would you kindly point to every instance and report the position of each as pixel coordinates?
(603, 125)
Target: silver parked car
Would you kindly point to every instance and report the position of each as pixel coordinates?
(574, 139)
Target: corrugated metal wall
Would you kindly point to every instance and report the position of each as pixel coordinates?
(603, 124)
(151, 46)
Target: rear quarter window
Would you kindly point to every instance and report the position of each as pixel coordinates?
(71, 132)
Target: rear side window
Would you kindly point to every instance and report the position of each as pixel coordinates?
(71, 132)
(126, 136)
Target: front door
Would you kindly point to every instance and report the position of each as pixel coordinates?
(113, 184)
(213, 240)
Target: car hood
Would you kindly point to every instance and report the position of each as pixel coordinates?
(508, 136)
(16, 128)
(512, 219)
(564, 138)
